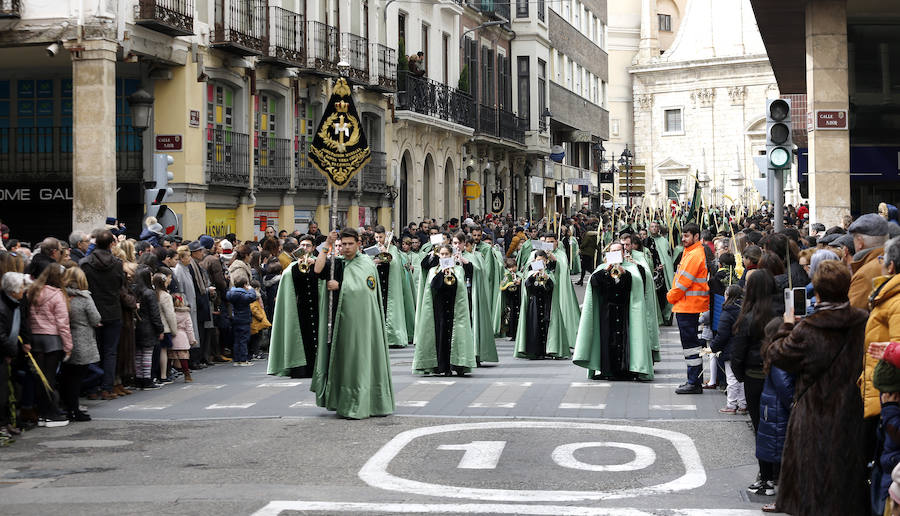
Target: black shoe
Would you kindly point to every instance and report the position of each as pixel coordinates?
(79, 416)
(689, 388)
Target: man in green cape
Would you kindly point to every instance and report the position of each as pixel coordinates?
(482, 323)
(409, 297)
(592, 343)
(651, 313)
(564, 313)
(443, 338)
(353, 371)
(665, 265)
(391, 276)
(524, 256)
(295, 324)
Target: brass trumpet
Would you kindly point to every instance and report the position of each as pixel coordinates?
(385, 257)
(303, 263)
(540, 278)
(509, 284)
(449, 277)
(615, 271)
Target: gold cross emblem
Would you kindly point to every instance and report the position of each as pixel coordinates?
(341, 130)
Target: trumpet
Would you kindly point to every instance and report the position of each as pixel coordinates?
(385, 257)
(449, 277)
(615, 271)
(540, 278)
(509, 284)
(303, 263)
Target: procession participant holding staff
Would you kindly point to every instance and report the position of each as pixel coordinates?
(443, 340)
(664, 271)
(352, 374)
(295, 325)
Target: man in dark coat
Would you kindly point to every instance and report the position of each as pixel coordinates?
(51, 251)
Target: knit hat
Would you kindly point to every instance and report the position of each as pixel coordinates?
(886, 377)
(207, 241)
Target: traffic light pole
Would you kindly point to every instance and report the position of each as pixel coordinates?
(778, 198)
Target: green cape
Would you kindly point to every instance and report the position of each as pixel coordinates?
(651, 314)
(353, 373)
(574, 253)
(462, 344)
(522, 259)
(409, 298)
(564, 295)
(499, 303)
(587, 349)
(666, 258)
(286, 345)
(395, 318)
(556, 345)
(482, 315)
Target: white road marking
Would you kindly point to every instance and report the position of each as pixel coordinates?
(216, 406)
(673, 407)
(435, 382)
(597, 406)
(564, 455)
(280, 384)
(144, 407)
(496, 404)
(195, 386)
(303, 404)
(479, 454)
(411, 403)
(375, 471)
(665, 385)
(590, 384)
(513, 384)
(275, 508)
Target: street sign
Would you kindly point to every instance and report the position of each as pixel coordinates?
(831, 119)
(169, 143)
(195, 118)
(471, 190)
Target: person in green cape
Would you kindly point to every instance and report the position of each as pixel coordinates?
(479, 304)
(353, 373)
(524, 256)
(573, 253)
(492, 272)
(409, 297)
(443, 339)
(428, 258)
(612, 333)
(533, 333)
(651, 314)
(659, 249)
(295, 325)
(390, 279)
(564, 312)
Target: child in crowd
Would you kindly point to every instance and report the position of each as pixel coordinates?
(148, 329)
(736, 403)
(241, 298)
(170, 323)
(259, 323)
(183, 338)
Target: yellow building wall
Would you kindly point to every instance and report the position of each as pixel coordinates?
(174, 100)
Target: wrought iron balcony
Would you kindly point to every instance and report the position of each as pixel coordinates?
(512, 127)
(357, 55)
(374, 174)
(496, 9)
(227, 158)
(487, 120)
(172, 17)
(434, 99)
(387, 68)
(272, 164)
(321, 48)
(10, 9)
(45, 153)
(240, 26)
(285, 41)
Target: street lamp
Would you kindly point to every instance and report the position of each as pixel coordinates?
(625, 160)
(141, 105)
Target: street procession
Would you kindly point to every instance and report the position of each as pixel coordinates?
(493, 257)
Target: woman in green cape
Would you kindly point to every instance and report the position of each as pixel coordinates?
(353, 373)
(480, 306)
(536, 309)
(443, 338)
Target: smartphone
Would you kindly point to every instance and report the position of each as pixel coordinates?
(795, 301)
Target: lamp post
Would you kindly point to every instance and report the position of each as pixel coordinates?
(625, 160)
(598, 152)
(141, 105)
(612, 174)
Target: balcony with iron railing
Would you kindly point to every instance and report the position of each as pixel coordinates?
(494, 8)
(172, 17)
(240, 26)
(512, 127)
(321, 48)
(272, 164)
(10, 9)
(45, 154)
(427, 97)
(357, 56)
(285, 39)
(384, 78)
(487, 120)
(227, 158)
(374, 174)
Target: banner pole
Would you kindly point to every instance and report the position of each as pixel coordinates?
(331, 271)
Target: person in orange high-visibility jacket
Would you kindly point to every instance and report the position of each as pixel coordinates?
(689, 297)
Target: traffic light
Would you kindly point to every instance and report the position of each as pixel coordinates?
(779, 143)
(156, 194)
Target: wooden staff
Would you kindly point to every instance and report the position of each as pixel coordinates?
(331, 272)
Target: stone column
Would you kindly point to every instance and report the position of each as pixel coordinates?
(94, 134)
(353, 210)
(649, 45)
(286, 212)
(827, 88)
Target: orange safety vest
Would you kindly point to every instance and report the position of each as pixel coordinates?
(690, 288)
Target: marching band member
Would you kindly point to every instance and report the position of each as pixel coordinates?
(534, 333)
(393, 297)
(295, 325)
(480, 292)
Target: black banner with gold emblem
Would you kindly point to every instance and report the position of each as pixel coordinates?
(339, 149)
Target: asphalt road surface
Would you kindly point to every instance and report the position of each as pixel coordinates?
(518, 437)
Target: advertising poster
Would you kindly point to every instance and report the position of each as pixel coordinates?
(220, 222)
(262, 219)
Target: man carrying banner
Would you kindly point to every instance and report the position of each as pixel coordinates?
(353, 372)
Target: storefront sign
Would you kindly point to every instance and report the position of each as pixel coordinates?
(220, 222)
(169, 142)
(194, 118)
(262, 220)
(834, 119)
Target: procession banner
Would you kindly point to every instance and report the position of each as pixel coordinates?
(339, 148)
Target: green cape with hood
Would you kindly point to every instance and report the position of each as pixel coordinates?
(395, 317)
(651, 313)
(665, 257)
(482, 314)
(353, 373)
(564, 312)
(462, 343)
(286, 345)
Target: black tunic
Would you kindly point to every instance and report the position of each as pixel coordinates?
(513, 304)
(384, 275)
(443, 298)
(306, 288)
(539, 310)
(339, 277)
(614, 306)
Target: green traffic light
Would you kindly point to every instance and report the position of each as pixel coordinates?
(779, 157)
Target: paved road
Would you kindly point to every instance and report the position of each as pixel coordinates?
(521, 437)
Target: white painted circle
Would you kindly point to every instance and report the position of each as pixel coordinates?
(565, 456)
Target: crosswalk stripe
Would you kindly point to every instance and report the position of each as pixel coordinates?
(590, 384)
(598, 406)
(673, 407)
(421, 392)
(303, 404)
(496, 404)
(163, 400)
(501, 395)
(280, 384)
(216, 406)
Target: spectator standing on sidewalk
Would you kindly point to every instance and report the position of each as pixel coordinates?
(83, 319)
(689, 297)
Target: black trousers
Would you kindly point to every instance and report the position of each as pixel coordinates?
(49, 363)
(70, 378)
(587, 266)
